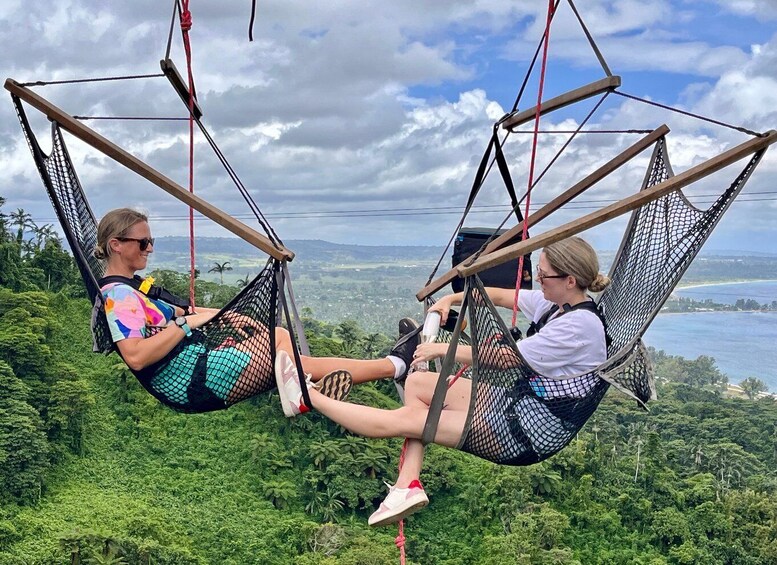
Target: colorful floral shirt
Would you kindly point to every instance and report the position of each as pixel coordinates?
(130, 312)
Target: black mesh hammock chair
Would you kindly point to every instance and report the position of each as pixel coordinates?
(518, 417)
(206, 371)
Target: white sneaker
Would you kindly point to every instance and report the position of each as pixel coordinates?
(287, 379)
(399, 503)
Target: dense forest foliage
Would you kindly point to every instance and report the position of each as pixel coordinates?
(93, 470)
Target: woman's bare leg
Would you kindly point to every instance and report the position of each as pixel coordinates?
(407, 421)
(418, 392)
(362, 370)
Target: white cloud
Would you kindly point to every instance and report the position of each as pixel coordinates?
(337, 106)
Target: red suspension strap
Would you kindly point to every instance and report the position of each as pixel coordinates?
(186, 25)
(535, 136)
(400, 539)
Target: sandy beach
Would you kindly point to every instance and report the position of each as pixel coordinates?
(682, 286)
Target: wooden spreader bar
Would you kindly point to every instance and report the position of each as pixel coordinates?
(576, 95)
(622, 206)
(553, 205)
(175, 78)
(91, 137)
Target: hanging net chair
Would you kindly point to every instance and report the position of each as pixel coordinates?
(518, 417)
(222, 362)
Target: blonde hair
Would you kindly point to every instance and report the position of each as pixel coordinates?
(574, 256)
(113, 224)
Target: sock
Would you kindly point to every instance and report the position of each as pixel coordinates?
(399, 365)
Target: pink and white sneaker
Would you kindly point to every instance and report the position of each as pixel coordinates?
(287, 379)
(399, 503)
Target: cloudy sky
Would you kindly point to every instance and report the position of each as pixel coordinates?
(364, 122)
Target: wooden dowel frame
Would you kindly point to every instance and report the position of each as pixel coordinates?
(175, 78)
(578, 94)
(562, 199)
(91, 137)
(622, 206)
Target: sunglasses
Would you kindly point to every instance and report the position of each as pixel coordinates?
(143, 242)
(542, 276)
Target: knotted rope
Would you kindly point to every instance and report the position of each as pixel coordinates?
(186, 25)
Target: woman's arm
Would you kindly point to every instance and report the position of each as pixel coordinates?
(139, 352)
(429, 351)
(503, 297)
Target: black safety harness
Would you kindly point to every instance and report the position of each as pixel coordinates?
(589, 305)
(153, 291)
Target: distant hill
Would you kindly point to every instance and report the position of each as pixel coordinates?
(172, 252)
(168, 250)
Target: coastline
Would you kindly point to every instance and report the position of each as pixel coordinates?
(662, 313)
(742, 343)
(721, 283)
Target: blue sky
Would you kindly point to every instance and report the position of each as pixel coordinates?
(364, 121)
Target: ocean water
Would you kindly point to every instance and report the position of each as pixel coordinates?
(744, 344)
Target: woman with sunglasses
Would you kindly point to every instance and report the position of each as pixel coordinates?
(571, 343)
(145, 330)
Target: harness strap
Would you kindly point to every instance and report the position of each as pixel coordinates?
(589, 305)
(152, 291)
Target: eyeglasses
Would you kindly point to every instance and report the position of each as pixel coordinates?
(542, 276)
(142, 242)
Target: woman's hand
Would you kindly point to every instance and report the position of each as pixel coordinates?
(429, 351)
(246, 325)
(443, 306)
(200, 318)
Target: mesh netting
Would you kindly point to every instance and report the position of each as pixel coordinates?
(225, 361)
(518, 417)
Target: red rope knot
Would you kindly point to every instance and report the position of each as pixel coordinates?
(400, 540)
(186, 20)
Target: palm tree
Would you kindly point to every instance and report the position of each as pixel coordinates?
(109, 555)
(280, 492)
(23, 221)
(636, 432)
(220, 268)
(259, 444)
(242, 283)
(44, 234)
(545, 480)
(350, 332)
(3, 221)
(372, 343)
(752, 387)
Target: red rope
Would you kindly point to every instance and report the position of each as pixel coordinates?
(400, 539)
(186, 25)
(525, 233)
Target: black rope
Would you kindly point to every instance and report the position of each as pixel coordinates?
(566, 144)
(531, 65)
(260, 218)
(251, 22)
(130, 118)
(81, 80)
(176, 10)
(539, 177)
(550, 132)
(276, 240)
(691, 114)
(598, 53)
